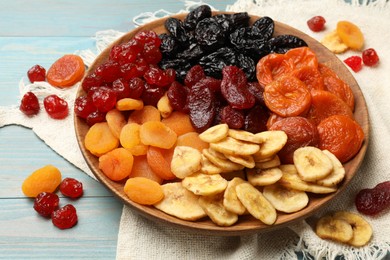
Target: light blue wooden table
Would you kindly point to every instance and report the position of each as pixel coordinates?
(39, 32)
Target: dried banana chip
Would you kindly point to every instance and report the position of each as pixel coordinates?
(263, 177)
(285, 199)
(333, 42)
(230, 199)
(185, 161)
(215, 133)
(204, 184)
(233, 146)
(213, 206)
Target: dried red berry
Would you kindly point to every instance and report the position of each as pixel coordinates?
(45, 203)
(104, 99)
(372, 201)
(65, 217)
(71, 188)
(91, 81)
(29, 104)
(354, 62)
(316, 23)
(95, 117)
(56, 107)
(234, 118)
(36, 73)
(370, 57)
(83, 106)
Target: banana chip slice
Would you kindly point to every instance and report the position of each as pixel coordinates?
(204, 184)
(335, 229)
(215, 133)
(285, 199)
(337, 174)
(246, 161)
(233, 146)
(214, 208)
(244, 136)
(256, 204)
(271, 143)
(185, 161)
(271, 163)
(230, 199)
(291, 179)
(180, 202)
(260, 177)
(221, 161)
(208, 167)
(333, 42)
(311, 163)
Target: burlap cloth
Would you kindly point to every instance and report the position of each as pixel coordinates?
(140, 238)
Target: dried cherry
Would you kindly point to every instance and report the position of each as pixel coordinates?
(316, 23)
(29, 104)
(65, 217)
(354, 62)
(83, 106)
(256, 119)
(36, 73)
(45, 203)
(104, 99)
(370, 57)
(71, 188)
(373, 201)
(234, 118)
(177, 96)
(56, 107)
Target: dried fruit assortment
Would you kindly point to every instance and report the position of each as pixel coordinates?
(207, 130)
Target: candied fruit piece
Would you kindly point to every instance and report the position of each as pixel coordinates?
(36, 73)
(71, 188)
(354, 62)
(370, 57)
(45, 203)
(316, 23)
(66, 71)
(56, 107)
(65, 217)
(29, 104)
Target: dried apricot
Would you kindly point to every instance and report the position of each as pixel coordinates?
(300, 132)
(100, 140)
(287, 96)
(158, 163)
(147, 113)
(310, 76)
(325, 104)
(127, 104)
(336, 85)
(129, 136)
(340, 135)
(116, 164)
(350, 34)
(157, 134)
(45, 179)
(302, 57)
(141, 168)
(179, 122)
(192, 139)
(143, 191)
(115, 120)
(66, 71)
(271, 67)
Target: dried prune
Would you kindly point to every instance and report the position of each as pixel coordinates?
(233, 88)
(234, 118)
(231, 22)
(209, 34)
(195, 16)
(263, 27)
(216, 61)
(168, 45)
(193, 52)
(201, 107)
(247, 65)
(283, 43)
(176, 29)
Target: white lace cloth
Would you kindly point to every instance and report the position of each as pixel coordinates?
(140, 238)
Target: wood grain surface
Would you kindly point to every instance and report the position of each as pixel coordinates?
(246, 224)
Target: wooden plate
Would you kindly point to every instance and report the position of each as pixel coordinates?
(246, 224)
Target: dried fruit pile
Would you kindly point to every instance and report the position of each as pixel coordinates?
(42, 184)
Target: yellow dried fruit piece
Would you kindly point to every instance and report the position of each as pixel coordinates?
(100, 140)
(45, 179)
(333, 42)
(350, 34)
(127, 104)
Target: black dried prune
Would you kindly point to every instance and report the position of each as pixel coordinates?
(209, 34)
(201, 107)
(231, 22)
(247, 65)
(193, 52)
(283, 43)
(234, 90)
(216, 61)
(168, 45)
(195, 16)
(263, 27)
(176, 29)
(251, 45)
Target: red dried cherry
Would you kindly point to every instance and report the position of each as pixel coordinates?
(83, 106)
(45, 203)
(354, 62)
(29, 104)
(108, 71)
(95, 117)
(36, 73)
(316, 23)
(372, 201)
(71, 188)
(91, 81)
(104, 99)
(121, 88)
(56, 107)
(65, 217)
(370, 57)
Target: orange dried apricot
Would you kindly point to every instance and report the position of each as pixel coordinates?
(157, 134)
(310, 76)
(158, 163)
(143, 191)
(350, 34)
(302, 57)
(325, 104)
(192, 139)
(287, 96)
(340, 135)
(100, 140)
(147, 113)
(141, 168)
(271, 67)
(179, 122)
(115, 120)
(116, 164)
(127, 104)
(66, 71)
(129, 136)
(45, 179)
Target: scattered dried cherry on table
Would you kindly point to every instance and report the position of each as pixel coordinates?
(375, 200)
(29, 104)
(45, 203)
(65, 217)
(36, 73)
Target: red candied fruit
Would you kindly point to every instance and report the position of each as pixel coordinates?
(122, 88)
(370, 57)
(56, 107)
(65, 217)
(71, 188)
(83, 106)
(354, 62)
(372, 201)
(45, 203)
(148, 38)
(104, 99)
(316, 23)
(126, 52)
(156, 76)
(29, 104)
(137, 86)
(108, 71)
(95, 117)
(36, 73)
(91, 81)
